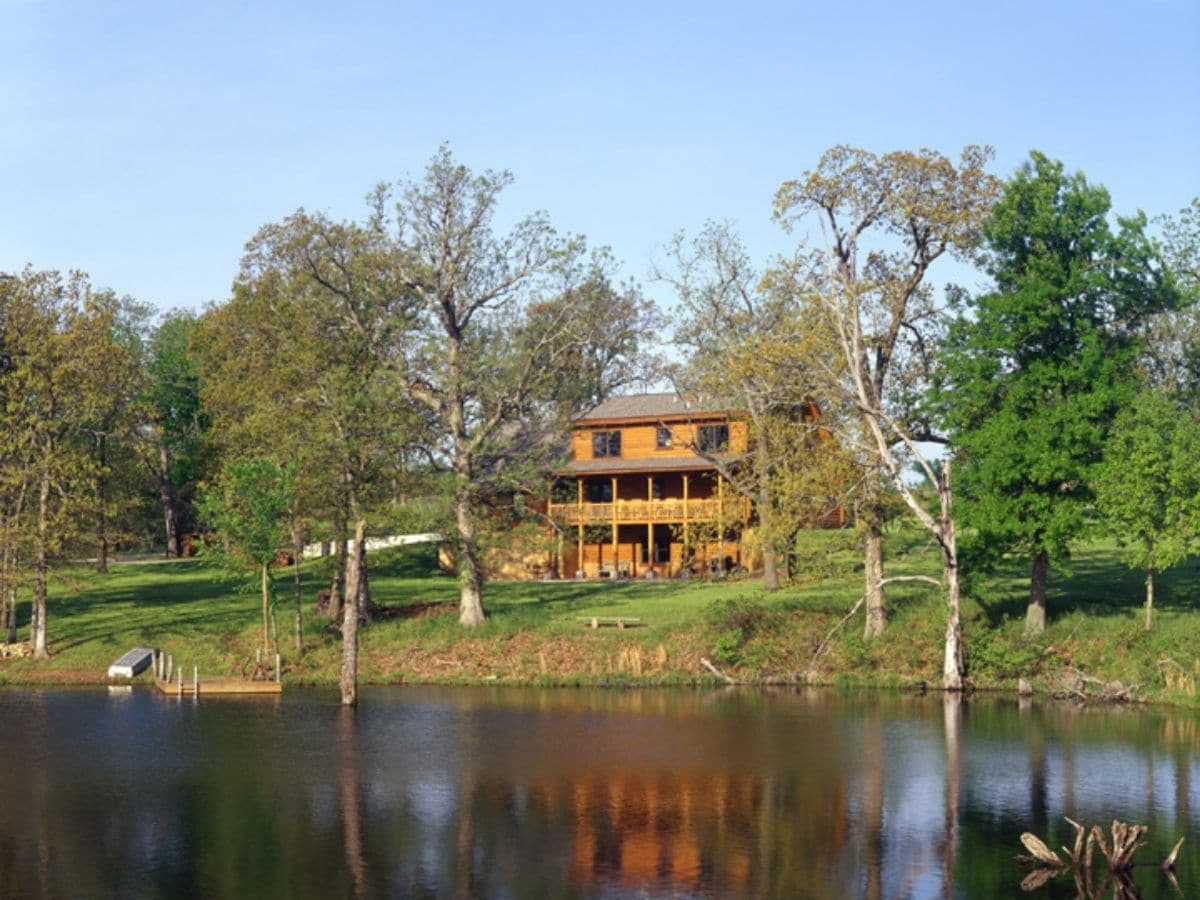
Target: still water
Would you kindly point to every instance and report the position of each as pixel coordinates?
(426, 792)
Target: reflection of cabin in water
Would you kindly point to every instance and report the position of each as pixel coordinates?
(641, 492)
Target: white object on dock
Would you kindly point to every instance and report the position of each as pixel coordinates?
(135, 661)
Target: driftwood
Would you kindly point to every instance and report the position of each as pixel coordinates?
(1075, 685)
(1119, 854)
(707, 663)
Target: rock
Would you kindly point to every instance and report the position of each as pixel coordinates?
(16, 651)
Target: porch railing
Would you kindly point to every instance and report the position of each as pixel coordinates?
(650, 511)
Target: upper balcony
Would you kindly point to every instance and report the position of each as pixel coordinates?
(640, 512)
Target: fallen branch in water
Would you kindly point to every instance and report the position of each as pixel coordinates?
(1075, 685)
(728, 679)
(1126, 841)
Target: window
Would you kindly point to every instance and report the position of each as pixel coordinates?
(714, 438)
(606, 443)
(599, 491)
(656, 489)
(662, 550)
(663, 438)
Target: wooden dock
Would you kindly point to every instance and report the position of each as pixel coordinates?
(176, 681)
(205, 687)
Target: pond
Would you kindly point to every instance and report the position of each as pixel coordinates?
(507, 793)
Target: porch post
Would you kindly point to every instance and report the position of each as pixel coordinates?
(616, 551)
(685, 519)
(721, 520)
(650, 521)
(579, 526)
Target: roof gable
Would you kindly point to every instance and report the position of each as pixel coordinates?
(649, 406)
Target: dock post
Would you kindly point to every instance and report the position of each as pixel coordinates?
(170, 666)
(278, 670)
(195, 681)
(181, 681)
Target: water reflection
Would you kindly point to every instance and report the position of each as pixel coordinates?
(493, 793)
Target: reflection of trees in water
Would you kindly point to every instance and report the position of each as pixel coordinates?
(349, 787)
(225, 805)
(952, 720)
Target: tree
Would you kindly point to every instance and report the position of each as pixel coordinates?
(249, 508)
(1148, 484)
(748, 344)
(1172, 354)
(59, 339)
(172, 448)
(885, 221)
(504, 328)
(310, 310)
(1034, 370)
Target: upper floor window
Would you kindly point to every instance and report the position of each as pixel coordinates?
(606, 443)
(663, 439)
(714, 438)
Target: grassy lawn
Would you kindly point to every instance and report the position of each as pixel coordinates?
(533, 634)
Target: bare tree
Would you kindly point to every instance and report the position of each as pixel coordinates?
(885, 220)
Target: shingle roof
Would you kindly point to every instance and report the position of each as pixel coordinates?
(617, 466)
(648, 406)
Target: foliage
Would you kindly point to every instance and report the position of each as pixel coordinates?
(748, 345)
(1148, 484)
(247, 506)
(885, 221)
(1035, 369)
(175, 446)
(1171, 358)
(69, 368)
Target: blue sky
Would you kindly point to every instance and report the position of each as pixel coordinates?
(145, 142)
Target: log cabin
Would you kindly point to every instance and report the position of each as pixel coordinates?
(641, 494)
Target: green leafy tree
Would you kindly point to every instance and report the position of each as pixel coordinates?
(293, 366)
(173, 445)
(1035, 370)
(749, 344)
(1148, 484)
(249, 507)
(63, 361)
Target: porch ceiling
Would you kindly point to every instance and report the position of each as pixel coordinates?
(636, 466)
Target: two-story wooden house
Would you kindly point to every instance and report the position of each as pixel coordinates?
(638, 496)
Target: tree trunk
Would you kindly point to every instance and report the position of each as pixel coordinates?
(770, 570)
(101, 518)
(1035, 615)
(470, 576)
(42, 567)
(953, 667)
(297, 552)
(766, 516)
(355, 569)
(872, 514)
(166, 495)
(1149, 595)
(266, 609)
(12, 616)
(337, 585)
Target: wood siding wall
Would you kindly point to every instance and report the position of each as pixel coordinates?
(641, 441)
